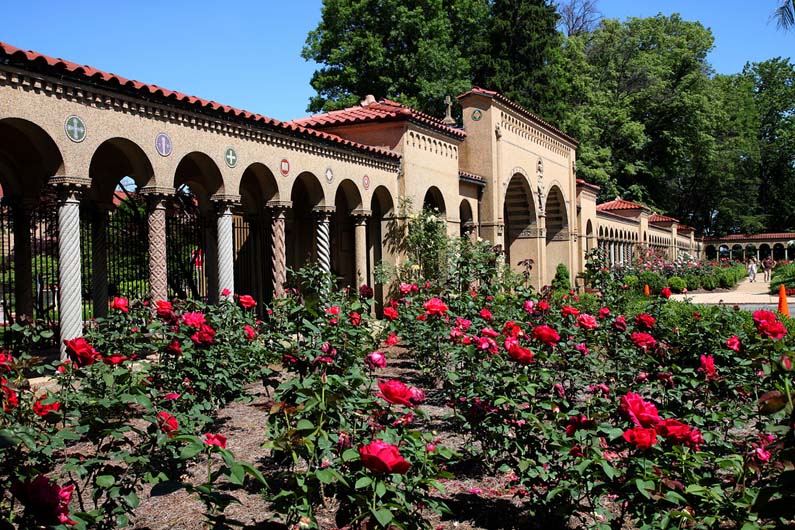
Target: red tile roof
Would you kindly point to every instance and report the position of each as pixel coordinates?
(521, 110)
(741, 237)
(619, 204)
(376, 111)
(113, 81)
(659, 218)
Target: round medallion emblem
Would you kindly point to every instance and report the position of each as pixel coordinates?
(163, 144)
(230, 157)
(477, 114)
(366, 182)
(284, 167)
(75, 129)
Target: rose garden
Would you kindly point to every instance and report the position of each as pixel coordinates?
(470, 392)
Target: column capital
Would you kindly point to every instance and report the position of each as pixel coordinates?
(324, 212)
(225, 199)
(279, 206)
(70, 187)
(157, 192)
(362, 213)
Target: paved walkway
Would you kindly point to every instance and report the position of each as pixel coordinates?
(751, 296)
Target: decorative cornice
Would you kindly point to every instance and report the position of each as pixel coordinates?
(157, 191)
(279, 205)
(361, 213)
(225, 199)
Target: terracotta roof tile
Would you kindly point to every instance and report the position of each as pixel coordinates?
(382, 110)
(13, 53)
(619, 204)
(521, 110)
(659, 218)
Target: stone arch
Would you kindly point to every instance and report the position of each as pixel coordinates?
(257, 187)
(589, 243)
(200, 175)
(764, 250)
(750, 250)
(434, 200)
(28, 157)
(711, 252)
(724, 251)
(343, 241)
(737, 251)
(466, 218)
(558, 246)
(779, 252)
(115, 236)
(300, 223)
(521, 234)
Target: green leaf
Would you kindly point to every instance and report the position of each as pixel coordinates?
(380, 489)
(363, 483)
(324, 476)
(106, 481)
(132, 500)
(645, 487)
(237, 475)
(305, 425)
(383, 516)
(8, 439)
(189, 451)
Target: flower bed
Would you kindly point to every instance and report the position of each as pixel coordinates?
(593, 414)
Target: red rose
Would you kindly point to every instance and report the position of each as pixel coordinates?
(488, 332)
(586, 321)
(333, 310)
(643, 341)
(226, 292)
(365, 291)
(485, 314)
(408, 288)
(674, 430)
(520, 355)
(733, 343)
(620, 324)
(644, 320)
(42, 409)
(381, 457)
(81, 352)
(642, 438)
(546, 334)
(390, 313)
(121, 304)
(250, 333)
(5, 361)
(375, 359)
(772, 329)
(395, 392)
(567, 310)
(167, 423)
(578, 422)
(10, 398)
(764, 316)
(114, 359)
(435, 306)
(215, 439)
(174, 347)
(46, 501)
(355, 318)
(642, 413)
(543, 305)
(392, 339)
(204, 336)
(666, 292)
(708, 367)
(417, 395)
(194, 320)
(246, 301)
(485, 344)
(164, 310)
(604, 312)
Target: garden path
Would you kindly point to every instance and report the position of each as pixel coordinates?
(750, 296)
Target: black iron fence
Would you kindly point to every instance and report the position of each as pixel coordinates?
(186, 244)
(252, 244)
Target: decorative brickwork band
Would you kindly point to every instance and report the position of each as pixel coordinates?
(99, 261)
(278, 249)
(69, 281)
(360, 218)
(324, 236)
(158, 268)
(225, 248)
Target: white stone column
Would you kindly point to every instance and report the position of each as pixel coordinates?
(225, 250)
(70, 299)
(360, 218)
(323, 215)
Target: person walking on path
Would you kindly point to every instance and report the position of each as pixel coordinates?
(768, 263)
(751, 268)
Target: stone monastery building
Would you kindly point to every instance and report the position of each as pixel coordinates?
(227, 200)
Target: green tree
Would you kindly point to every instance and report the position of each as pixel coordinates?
(785, 14)
(407, 50)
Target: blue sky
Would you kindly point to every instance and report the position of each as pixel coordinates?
(247, 53)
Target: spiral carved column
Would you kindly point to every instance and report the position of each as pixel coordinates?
(156, 221)
(69, 280)
(225, 245)
(324, 236)
(99, 261)
(278, 250)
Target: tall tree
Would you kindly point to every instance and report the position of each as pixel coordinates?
(522, 57)
(785, 14)
(403, 49)
(578, 17)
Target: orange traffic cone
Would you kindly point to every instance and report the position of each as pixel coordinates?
(646, 290)
(783, 307)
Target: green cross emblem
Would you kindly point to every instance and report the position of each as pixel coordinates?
(230, 157)
(75, 129)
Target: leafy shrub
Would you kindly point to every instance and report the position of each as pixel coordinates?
(655, 281)
(710, 283)
(677, 284)
(631, 281)
(693, 282)
(782, 274)
(561, 281)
